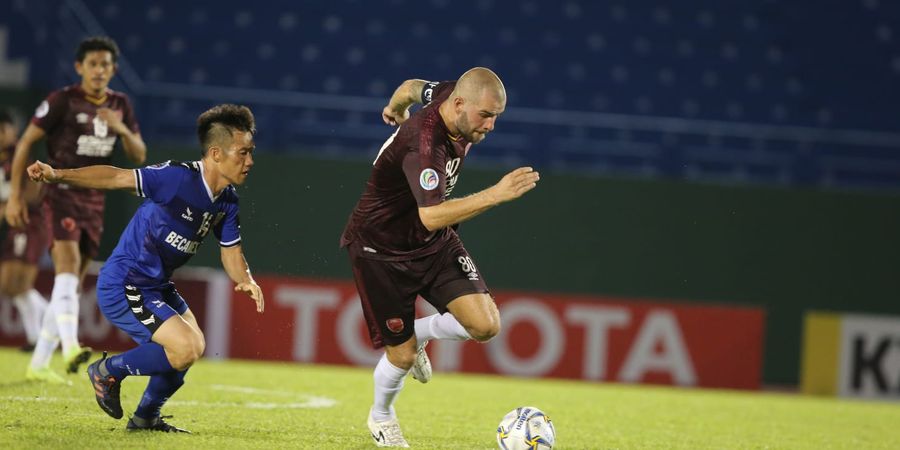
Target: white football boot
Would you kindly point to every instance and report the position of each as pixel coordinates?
(421, 369)
(386, 434)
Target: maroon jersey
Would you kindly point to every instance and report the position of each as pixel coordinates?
(418, 166)
(76, 137)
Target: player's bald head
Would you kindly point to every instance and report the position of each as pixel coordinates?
(478, 82)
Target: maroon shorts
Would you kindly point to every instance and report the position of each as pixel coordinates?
(388, 289)
(76, 216)
(27, 244)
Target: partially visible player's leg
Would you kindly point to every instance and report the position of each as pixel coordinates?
(387, 294)
(48, 341)
(466, 308)
(18, 277)
(35, 240)
(167, 342)
(162, 386)
(16, 281)
(459, 288)
(175, 345)
(388, 376)
(64, 301)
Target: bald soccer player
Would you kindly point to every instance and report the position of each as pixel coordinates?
(402, 239)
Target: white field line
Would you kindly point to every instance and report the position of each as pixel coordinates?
(302, 401)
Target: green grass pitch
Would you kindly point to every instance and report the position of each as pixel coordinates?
(240, 404)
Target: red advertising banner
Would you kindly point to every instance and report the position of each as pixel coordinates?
(543, 335)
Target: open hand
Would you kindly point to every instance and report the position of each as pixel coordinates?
(254, 291)
(515, 184)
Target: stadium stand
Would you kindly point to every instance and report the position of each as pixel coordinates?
(749, 91)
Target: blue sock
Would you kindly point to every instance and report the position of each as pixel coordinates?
(158, 391)
(145, 359)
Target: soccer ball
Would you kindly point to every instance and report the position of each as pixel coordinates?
(526, 428)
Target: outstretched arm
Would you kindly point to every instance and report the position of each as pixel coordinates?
(92, 177)
(397, 109)
(236, 266)
(451, 212)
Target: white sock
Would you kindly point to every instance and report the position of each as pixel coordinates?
(38, 307)
(48, 340)
(29, 317)
(64, 303)
(388, 383)
(440, 326)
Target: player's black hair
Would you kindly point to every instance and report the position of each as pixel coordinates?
(96, 44)
(226, 117)
(6, 117)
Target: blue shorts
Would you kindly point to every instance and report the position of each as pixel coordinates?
(139, 312)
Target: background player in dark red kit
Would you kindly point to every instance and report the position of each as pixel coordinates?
(82, 123)
(401, 240)
(22, 248)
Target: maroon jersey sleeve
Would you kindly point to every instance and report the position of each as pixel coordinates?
(50, 113)
(424, 169)
(128, 117)
(425, 175)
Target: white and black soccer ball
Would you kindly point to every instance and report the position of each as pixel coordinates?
(526, 428)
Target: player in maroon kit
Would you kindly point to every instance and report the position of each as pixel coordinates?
(22, 248)
(401, 236)
(82, 123)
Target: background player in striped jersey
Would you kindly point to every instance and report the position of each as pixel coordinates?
(402, 239)
(82, 124)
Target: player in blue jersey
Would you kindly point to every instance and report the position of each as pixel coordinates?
(185, 201)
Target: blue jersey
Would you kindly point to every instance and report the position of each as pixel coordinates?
(169, 226)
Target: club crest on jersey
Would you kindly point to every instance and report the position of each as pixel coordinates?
(428, 179)
(81, 118)
(395, 324)
(101, 127)
(186, 215)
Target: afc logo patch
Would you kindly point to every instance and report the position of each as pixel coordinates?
(395, 324)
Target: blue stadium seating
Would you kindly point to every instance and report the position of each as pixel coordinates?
(744, 91)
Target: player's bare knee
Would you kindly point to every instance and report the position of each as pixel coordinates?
(197, 347)
(184, 361)
(66, 261)
(200, 346)
(179, 360)
(402, 359)
(406, 362)
(184, 356)
(485, 331)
